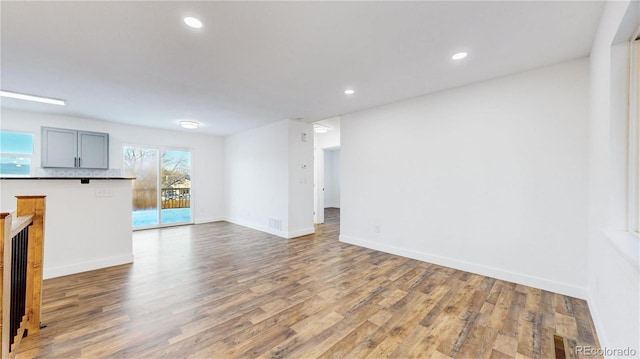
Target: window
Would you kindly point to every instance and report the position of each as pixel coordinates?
(16, 150)
(634, 138)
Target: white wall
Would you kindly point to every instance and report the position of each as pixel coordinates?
(488, 178)
(207, 162)
(318, 185)
(613, 270)
(82, 231)
(332, 179)
(300, 179)
(330, 139)
(257, 183)
(267, 187)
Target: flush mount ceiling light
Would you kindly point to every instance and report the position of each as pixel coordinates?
(318, 128)
(193, 22)
(22, 96)
(189, 124)
(459, 56)
(349, 92)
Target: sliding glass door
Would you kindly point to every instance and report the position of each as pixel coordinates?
(162, 189)
(175, 190)
(142, 163)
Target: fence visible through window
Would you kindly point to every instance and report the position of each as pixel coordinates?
(162, 190)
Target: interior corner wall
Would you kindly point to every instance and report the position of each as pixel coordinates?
(269, 178)
(613, 270)
(487, 178)
(257, 178)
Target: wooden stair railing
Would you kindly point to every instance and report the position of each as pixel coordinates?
(21, 252)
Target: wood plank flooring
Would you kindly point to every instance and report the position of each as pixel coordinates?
(223, 291)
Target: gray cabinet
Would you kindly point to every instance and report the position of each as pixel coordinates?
(65, 148)
(93, 150)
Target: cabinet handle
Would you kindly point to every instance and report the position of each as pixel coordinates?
(75, 162)
(79, 159)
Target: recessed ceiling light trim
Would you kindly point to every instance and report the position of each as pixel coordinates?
(459, 56)
(189, 124)
(193, 22)
(26, 97)
(318, 128)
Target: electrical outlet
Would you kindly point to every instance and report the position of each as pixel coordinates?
(103, 192)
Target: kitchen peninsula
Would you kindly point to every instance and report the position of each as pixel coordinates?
(88, 223)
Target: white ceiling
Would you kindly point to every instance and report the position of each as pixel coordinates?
(259, 62)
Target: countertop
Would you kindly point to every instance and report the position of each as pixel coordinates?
(67, 178)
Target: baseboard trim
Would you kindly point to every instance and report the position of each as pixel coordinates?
(209, 220)
(597, 322)
(531, 281)
(283, 234)
(86, 266)
(301, 232)
(257, 227)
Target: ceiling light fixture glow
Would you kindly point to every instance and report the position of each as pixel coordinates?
(189, 124)
(459, 56)
(193, 22)
(318, 128)
(349, 92)
(22, 96)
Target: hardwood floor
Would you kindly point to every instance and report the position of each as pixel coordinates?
(222, 291)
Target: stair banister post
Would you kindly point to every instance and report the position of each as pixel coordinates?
(5, 282)
(34, 205)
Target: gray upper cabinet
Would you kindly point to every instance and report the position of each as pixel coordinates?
(93, 150)
(59, 147)
(64, 148)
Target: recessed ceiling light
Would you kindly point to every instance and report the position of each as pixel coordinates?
(22, 96)
(459, 56)
(193, 22)
(189, 124)
(318, 128)
(349, 92)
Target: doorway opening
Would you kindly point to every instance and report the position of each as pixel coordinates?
(332, 215)
(326, 167)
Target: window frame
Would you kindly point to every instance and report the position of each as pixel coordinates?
(634, 135)
(160, 149)
(24, 155)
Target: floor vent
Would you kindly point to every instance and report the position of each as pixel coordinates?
(275, 224)
(561, 347)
